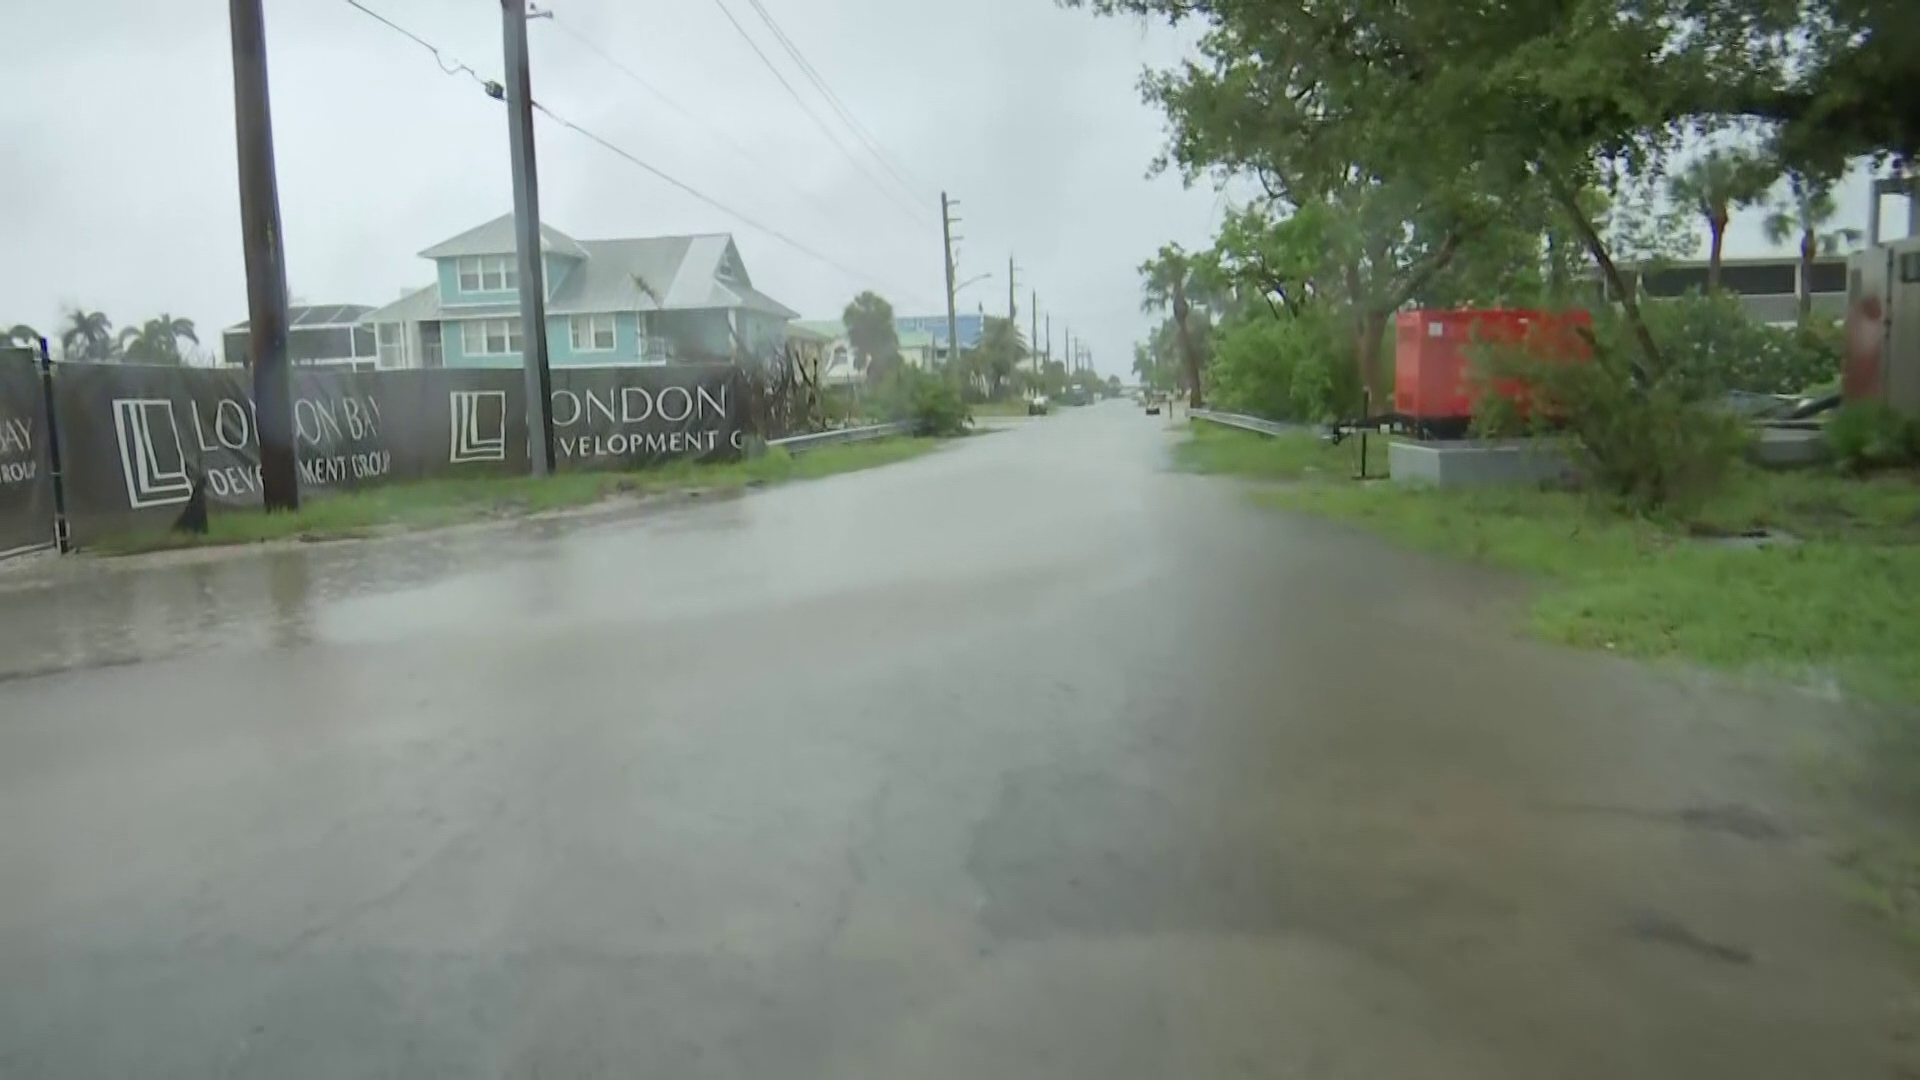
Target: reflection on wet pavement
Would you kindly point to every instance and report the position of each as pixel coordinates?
(1028, 759)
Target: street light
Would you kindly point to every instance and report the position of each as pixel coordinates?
(975, 280)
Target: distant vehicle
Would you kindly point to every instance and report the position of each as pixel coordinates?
(1037, 405)
(1153, 404)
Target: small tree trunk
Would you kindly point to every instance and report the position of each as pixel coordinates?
(1189, 353)
(1629, 304)
(1371, 327)
(1716, 244)
(1808, 243)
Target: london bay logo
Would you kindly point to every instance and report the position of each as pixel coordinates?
(17, 462)
(152, 460)
(477, 420)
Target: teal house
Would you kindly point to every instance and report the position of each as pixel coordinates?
(650, 300)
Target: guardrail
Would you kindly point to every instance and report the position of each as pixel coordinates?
(1248, 423)
(800, 444)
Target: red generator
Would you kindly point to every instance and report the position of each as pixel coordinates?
(1434, 386)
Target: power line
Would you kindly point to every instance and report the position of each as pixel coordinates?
(746, 156)
(494, 90)
(708, 199)
(449, 64)
(853, 123)
(767, 61)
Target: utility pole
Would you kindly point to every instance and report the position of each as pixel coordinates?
(946, 242)
(1033, 336)
(526, 234)
(266, 262)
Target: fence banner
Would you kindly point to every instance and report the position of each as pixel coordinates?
(627, 416)
(26, 473)
(135, 439)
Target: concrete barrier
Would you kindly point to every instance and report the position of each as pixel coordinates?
(1468, 462)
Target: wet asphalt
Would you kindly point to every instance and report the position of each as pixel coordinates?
(1029, 758)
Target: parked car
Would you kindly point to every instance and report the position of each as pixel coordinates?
(1037, 405)
(1153, 404)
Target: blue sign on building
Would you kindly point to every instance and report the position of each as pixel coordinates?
(969, 326)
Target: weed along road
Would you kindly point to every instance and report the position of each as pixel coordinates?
(1026, 758)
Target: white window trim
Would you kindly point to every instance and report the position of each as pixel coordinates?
(586, 328)
(479, 332)
(384, 348)
(490, 273)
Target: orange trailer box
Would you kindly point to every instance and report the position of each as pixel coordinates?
(1433, 382)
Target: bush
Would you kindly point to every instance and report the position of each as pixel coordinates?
(1728, 347)
(1295, 367)
(1866, 436)
(1654, 441)
(931, 401)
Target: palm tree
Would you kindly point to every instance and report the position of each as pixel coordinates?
(1807, 208)
(157, 341)
(22, 336)
(88, 336)
(1167, 282)
(871, 335)
(1715, 184)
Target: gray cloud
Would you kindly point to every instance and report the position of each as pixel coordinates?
(121, 192)
(118, 188)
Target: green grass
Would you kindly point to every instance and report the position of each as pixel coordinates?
(436, 503)
(1215, 448)
(1838, 603)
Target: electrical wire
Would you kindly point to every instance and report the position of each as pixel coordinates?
(494, 90)
(745, 156)
(449, 64)
(708, 199)
(866, 137)
(859, 166)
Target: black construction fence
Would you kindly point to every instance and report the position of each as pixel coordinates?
(89, 449)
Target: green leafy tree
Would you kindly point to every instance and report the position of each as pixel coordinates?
(157, 341)
(1477, 106)
(88, 335)
(1804, 215)
(872, 336)
(1714, 185)
(1168, 283)
(998, 355)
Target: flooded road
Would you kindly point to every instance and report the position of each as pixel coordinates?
(1025, 759)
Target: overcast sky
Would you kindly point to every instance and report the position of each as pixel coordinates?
(118, 189)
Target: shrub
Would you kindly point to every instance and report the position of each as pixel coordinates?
(1732, 349)
(930, 400)
(1294, 367)
(1870, 435)
(1654, 441)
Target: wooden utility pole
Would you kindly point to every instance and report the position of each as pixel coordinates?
(946, 243)
(526, 234)
(1033, 336)
(265, 259)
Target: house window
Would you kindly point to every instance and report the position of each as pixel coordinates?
(491, 337)
(392, 346)
(488, 273)
(591, 333)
